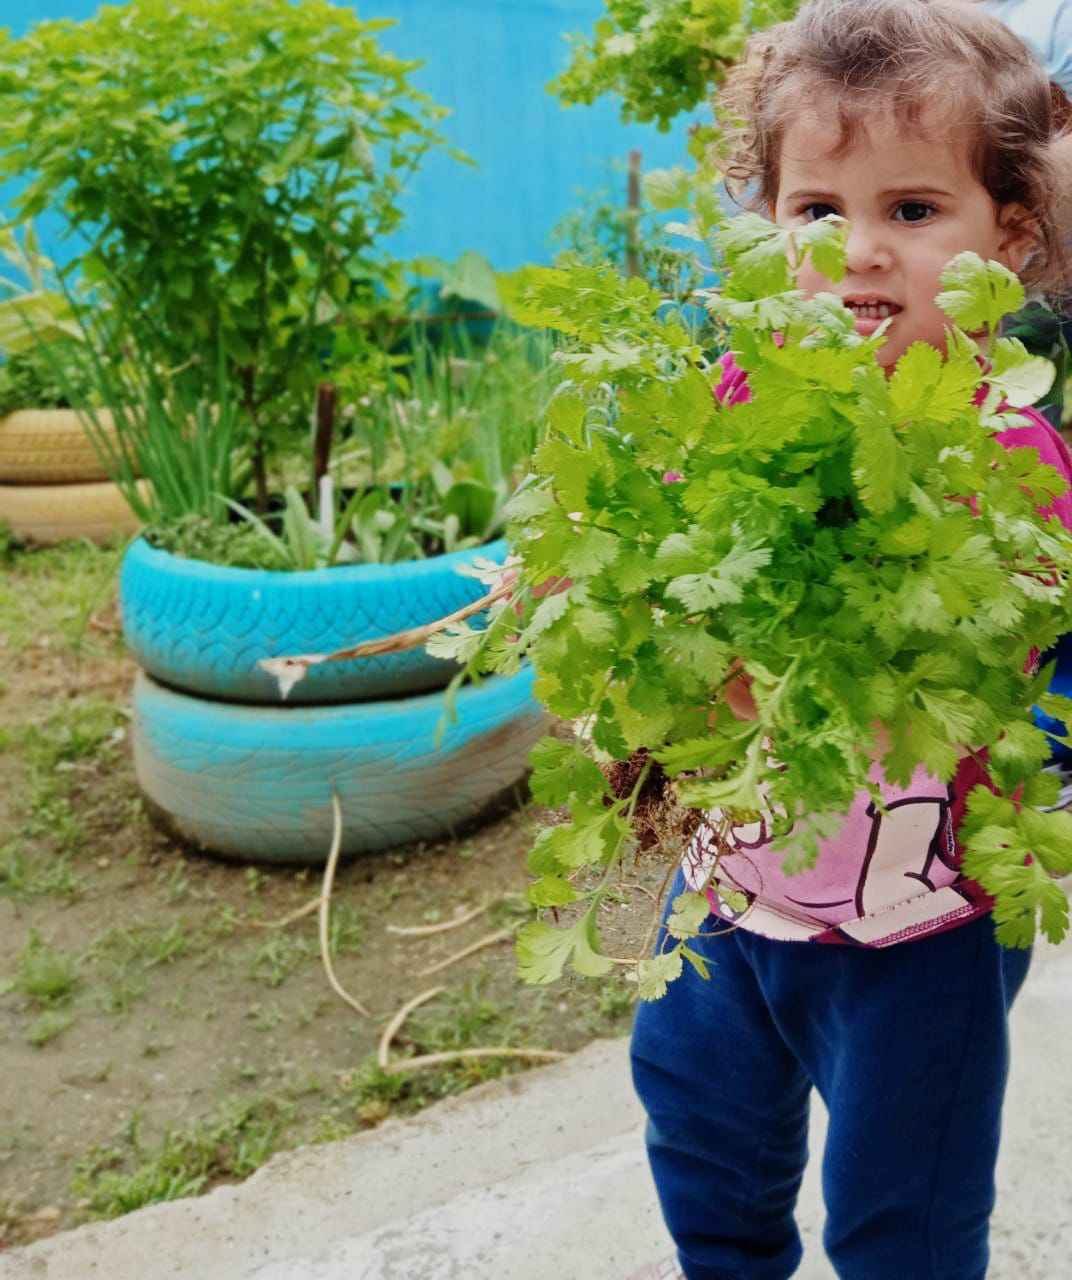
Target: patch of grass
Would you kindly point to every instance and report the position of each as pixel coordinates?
(283, 952)
(467, 1017)
(79, 731)
(44, 973)
(462, 1019)
(23, 876)
(125, 953)
(56, 752)
(47, 1026)
(120, 992)
(52, 816)
(615, 999)
(49, 594)
(275, 959)
(346, 932)
(176, 884)
(511, 909)
(126, 1175)
(9, 544)
(264, 1019)
(144, 945)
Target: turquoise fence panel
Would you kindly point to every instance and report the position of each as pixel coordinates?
(489, 61)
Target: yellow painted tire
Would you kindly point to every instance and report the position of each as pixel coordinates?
(47, 513)
(48, 446)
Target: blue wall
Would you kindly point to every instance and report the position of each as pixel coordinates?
(487, 60)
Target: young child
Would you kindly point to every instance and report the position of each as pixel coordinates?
(876, 976)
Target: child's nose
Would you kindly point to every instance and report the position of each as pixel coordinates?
(866, 248)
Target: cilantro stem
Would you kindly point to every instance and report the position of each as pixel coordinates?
(615, 857)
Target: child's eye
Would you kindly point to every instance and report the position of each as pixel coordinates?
(817, 211)
(914, 211)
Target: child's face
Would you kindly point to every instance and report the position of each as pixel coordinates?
(912, 202)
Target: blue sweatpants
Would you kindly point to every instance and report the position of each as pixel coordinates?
(908, 1047)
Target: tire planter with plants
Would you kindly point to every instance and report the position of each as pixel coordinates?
(48, 513)
(203, 628)
(48, 446)
(256, 783)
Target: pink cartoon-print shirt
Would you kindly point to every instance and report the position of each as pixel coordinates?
(884, 877)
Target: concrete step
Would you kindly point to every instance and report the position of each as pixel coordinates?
(543, 1177)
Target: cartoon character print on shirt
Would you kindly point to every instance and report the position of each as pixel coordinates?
(906, 851)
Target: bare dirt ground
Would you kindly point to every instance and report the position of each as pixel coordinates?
(160, 1033)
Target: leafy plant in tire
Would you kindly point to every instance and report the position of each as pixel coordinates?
(230, 164)
(864, 546)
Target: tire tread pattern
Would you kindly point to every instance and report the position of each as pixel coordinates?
(256, 783)
(50, 513)
(48, 446)
(203, 629)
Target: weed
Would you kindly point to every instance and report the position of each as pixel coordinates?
(177, 884)
(47, 1026)
(44, 973)
(277, 958)
(369, 1083)
(310, 1085)
(308, 1012)
(56, 752)
(80, 731)
(615, 1000)
(124, 1176)
(120, 993)
(462, 1018)
(264, 1019)
(154, 1048)
(54, 592)
(145, 945)
(223, 924)
(511, 909)
(51, 816)
(346, 933)
(330, 1128)
(20, 877)
(9, 544)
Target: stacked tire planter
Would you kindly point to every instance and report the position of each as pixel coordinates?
(52, 483)
(235, 771)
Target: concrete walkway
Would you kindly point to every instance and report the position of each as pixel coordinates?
(542, 1177)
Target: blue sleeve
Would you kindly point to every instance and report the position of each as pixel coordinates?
(1044, 25)
(1059, 62)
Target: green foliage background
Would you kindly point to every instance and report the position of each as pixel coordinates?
(230, 165)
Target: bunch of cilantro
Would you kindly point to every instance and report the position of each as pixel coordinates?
(864, 545)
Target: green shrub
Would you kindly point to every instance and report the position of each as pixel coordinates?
(232, 165)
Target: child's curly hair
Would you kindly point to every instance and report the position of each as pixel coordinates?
(915, 56)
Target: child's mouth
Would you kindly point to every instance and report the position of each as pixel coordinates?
(869, 315)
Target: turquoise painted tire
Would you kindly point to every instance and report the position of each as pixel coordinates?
(255, 783)
(203, 627)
